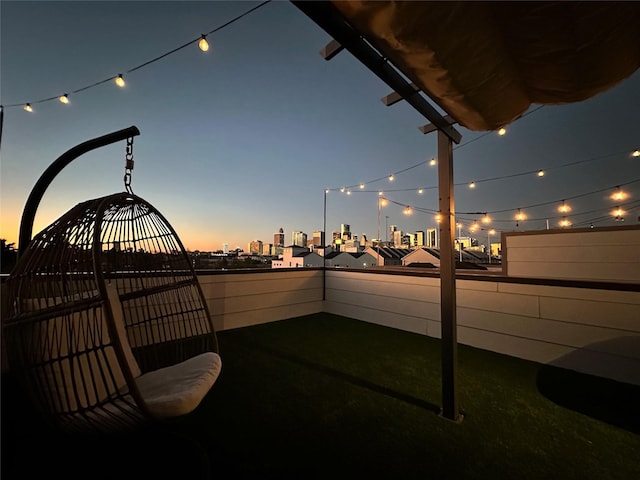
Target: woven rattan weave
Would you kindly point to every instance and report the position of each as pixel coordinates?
(104, 304)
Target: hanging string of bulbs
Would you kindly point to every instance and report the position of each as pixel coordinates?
(618, 196)
(118, 78)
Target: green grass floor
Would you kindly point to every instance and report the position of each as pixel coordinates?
(324, 396)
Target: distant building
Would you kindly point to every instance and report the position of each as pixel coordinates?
(255, 247)
(294, 256)
(432, 238)
(299, 239)
(345, 232)
(388, 255)
(278, 238)
(318, 238)
(350, 260)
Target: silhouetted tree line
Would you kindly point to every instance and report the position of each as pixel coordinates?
(9, 256)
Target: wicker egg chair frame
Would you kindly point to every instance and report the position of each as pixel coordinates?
(108, 327)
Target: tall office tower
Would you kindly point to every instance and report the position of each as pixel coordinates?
(432, 237)
(255, 247)
(266, 248)
(345, 232)
(318, 239)
(420, 239)
(225, 248)
(278, 238)
(299, 239)
(412, 239)
(397, 238)
(392, 231)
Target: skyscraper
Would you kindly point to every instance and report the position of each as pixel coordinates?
(278, 238)
(299, 239)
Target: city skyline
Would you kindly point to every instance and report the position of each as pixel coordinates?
(250, 135)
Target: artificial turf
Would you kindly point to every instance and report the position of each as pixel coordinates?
(323, 396)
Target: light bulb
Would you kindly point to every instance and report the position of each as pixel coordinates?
(541, 173)
(472, 185)
(380, 193)
(64, 99)
(342, 190)
(433, 162)
(636, 153)
(502, 131)
(618, 195)
(486, 219)
(438, 218)
(361, 186)
(407, 210)
(28, 107)
(203, 44)
(120, 81)
(391, 177)
(383, 202)
(564, 208)
(420, 191)
(564, 222)
(520, 216)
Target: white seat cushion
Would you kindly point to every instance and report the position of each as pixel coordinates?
(178, 389)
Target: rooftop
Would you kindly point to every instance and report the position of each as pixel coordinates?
(324, 396)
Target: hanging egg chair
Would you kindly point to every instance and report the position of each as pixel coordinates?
(108, 327)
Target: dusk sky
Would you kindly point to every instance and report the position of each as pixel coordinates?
(243, 139)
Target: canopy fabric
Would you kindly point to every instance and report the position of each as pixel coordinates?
(485, 63)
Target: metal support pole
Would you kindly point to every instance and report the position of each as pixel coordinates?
(29, 213)
(448, 342)
(323, 238)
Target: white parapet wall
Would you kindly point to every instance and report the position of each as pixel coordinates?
(605, 253)
(592, 329)
(242, 298)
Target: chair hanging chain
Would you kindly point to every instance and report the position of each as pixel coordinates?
(128, 165)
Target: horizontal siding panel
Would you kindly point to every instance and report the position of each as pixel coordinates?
(246, 303)
(525, 305)
(563, 333)
(586, 312)
(265, 315)
(414, 308)
(387, 319)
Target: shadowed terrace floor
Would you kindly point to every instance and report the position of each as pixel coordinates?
(324, 396)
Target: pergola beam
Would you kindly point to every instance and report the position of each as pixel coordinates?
(328, 18)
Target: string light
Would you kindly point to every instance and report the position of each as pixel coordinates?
(391, 177)
(541, 173)
(520, 216)
(486, 219)
(564, 223)
(120, 81)
(433, 162)
(382, 202)
(407, 210)
(472, 185)
(361, 186)
(564, 208)
(420, 191)
(438, 217)
(502, 131)
(380, 193)
(203, 44)
(618, 195)
(635, 153)
(618, 214)
(473, 228)
(64, 99)
(348, 192)
(342, 189)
